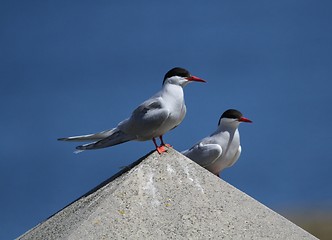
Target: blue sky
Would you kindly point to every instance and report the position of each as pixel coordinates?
(70, 68)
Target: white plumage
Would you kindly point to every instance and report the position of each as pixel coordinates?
(222, 148)
(153, 118)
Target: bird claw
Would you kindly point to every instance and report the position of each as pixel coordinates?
(162, 146)
(161, 149)
(168, 145)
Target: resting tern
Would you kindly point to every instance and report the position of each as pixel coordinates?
(153, 118)
(222, 148)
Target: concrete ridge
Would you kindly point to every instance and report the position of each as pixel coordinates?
(165, 196)
(108, 180)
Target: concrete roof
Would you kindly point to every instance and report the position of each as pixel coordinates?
(166, 197)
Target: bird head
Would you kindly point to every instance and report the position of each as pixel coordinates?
(232, 117)
(180, 76)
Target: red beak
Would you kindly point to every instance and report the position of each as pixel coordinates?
(195, 79)
(243, 119)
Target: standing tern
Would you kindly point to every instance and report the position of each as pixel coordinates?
(153, 118)
(222, 148)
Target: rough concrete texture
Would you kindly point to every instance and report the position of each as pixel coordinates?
(166, 197)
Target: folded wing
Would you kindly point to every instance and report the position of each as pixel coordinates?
(204, 154)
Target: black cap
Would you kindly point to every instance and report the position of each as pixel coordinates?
(231, 113)
(177, 71)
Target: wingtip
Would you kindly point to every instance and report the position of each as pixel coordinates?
(62, 139)
(81, 147)
(78, 151)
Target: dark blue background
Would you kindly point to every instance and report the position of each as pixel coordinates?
(77, 67)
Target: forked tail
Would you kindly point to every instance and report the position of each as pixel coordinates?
(90, 137)
(117, 137)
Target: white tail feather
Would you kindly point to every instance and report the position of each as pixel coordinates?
(78, 151)
(89, 137)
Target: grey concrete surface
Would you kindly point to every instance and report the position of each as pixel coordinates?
(166, 197)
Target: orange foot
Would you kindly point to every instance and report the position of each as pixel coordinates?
(161, 149)
(168, 145)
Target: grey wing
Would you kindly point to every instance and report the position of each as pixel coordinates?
(146, 118)
(116, 138)
(204, 154)
(236, 157)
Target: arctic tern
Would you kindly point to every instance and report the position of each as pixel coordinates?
(222, 148)
(153, 118)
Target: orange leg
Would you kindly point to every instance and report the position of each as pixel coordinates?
(160, 148)
(162, 142)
